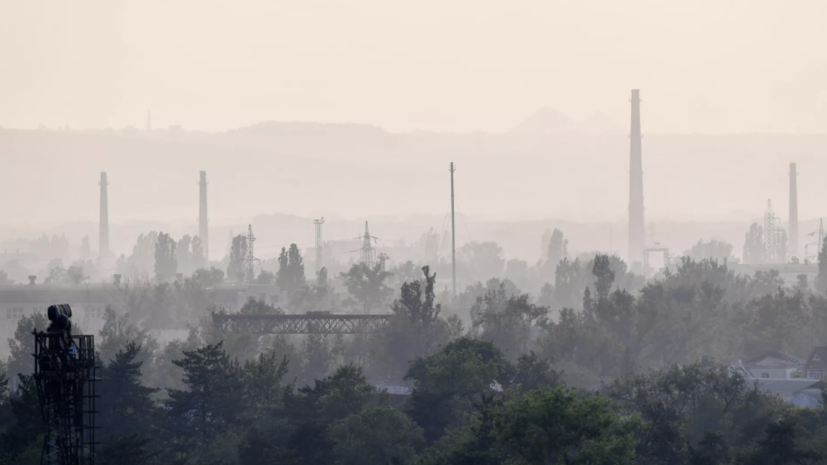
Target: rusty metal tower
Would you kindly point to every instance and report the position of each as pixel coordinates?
(637, 231)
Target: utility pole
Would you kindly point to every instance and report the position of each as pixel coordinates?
(319, 250)
(453, 235)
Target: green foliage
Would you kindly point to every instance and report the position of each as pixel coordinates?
(17, 441)
(481, 260)
(375, 436)
(493, 396)
(311, 411)
(447, 383)
(557, 426)
(718, 251)
(367, 287)
(506, 321)
(290, 275)
(534, 372)
(262, 380)
(21, 347)
(321, 296)
(210, 401)
(208, 278)
(197, 257)
(238, 253)
(573, 277)
(404, 273)
(266, 278)
(126, 407)
(679, 406)
(754, 252)
(118, 332)
(555, 251)
(127, 450)
(166, 260)
(415, 329)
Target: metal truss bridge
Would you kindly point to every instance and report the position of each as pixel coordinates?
(313, 323)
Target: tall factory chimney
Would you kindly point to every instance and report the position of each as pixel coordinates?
(637, 231)
(103, 246)
(793, 249)
(203, 225)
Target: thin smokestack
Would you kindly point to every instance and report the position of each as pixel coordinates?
(637, 231)
(103, 246)
(794, 211)
(203, 224)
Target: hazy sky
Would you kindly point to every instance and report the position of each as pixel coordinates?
(708, 66)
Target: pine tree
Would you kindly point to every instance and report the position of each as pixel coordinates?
(127, 450)
(212, 400)
(126, 406)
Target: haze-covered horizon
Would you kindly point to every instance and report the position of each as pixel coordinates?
(704, 66)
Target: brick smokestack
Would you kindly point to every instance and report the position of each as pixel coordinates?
(103, 237)
(793, 249)
(637, 231)
(203, 224)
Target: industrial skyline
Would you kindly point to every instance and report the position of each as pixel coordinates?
(637, 241)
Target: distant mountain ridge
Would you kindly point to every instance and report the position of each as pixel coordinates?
(548, 122)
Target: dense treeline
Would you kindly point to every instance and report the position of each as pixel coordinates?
(611, 377)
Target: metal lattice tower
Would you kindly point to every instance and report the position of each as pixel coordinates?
(203, 222)
(64, 372)
(250, 259)
(773, 236)
(368, 252)
(319, 244)
(818, 243)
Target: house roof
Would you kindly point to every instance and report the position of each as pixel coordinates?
(788, 387)
(739, 368)
(775, 358)
(817, 359)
